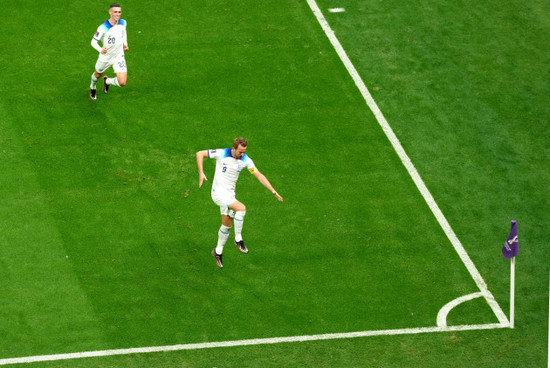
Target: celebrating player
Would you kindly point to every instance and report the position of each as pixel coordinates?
(229, 163)
(112, 35)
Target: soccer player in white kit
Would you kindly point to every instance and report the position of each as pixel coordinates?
(229, 163)
(112, 35)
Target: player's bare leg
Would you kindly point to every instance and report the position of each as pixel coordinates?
(122, 77)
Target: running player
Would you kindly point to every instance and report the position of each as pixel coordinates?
(229, 163)
(112, 35)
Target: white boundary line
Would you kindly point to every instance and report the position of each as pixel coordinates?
(442, 315)
(409, 166)
(443, 312)
(225, 344)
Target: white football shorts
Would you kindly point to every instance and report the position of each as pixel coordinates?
(118, 63)
(224, 201)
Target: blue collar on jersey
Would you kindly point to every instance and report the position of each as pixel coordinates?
(108, 24)
(227, 153)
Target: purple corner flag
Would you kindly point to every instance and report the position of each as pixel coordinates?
(511, 246)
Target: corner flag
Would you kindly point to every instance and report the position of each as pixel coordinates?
(511, 246)
(511, 250)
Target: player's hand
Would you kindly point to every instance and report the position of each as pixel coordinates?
(277, 196)
(202, 178)
(126, 48)
(104, 50)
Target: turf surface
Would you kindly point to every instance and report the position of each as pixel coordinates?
(106, 237)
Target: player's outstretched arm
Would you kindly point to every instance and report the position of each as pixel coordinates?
(200, 158)
(261, 177)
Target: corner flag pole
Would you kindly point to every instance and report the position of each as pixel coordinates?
(511, 250)
(512, 289)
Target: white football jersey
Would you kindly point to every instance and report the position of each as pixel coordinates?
(112, 37)
(228, 169)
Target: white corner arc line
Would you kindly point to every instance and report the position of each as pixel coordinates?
(409, 165)
(235, 343)
(444, 312)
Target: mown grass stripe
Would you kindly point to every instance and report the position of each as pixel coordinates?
(409, 165)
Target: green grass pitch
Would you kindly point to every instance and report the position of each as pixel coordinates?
(105, 237)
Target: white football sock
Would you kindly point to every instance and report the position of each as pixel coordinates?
(113, 81)
(239, 219)
(223, 234)
(94, 81)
